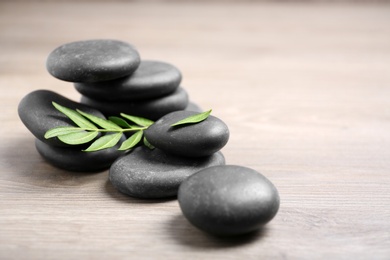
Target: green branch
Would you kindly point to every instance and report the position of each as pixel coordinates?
(87, 129)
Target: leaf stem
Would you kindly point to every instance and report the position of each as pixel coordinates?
(115, 130)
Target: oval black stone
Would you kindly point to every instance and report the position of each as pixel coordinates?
(39, 115)
(228, 200)
(72, 159)
(151, 174)
(152, 108)
(152, 79)
(192, 140)
(93, 60)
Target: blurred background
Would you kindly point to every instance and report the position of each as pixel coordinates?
(304, 87)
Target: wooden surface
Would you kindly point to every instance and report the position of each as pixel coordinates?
(304, 89)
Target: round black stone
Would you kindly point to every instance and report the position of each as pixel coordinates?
(72, 159)
(93, 60)
(152, 79)
(152, 108)
(228, 200)
(152, 174)
(192, 140)
(38, 114)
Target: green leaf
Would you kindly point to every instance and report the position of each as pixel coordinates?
(106, 124)
(75, 117)
(120, 121)
(138, 120)
(193, 119)
(78, 137)
(62, 130)
(147, 144)
(132, 141)
(104, 142)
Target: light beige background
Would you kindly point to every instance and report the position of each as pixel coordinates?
(304, 89)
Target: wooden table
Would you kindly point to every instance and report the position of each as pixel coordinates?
(304, 89)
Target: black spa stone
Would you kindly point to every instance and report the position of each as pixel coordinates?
(151, 79)
(93, 60)
(38, 114)
(192, 140)
(152, 108)
(72, 159)
(228, 200)
(153, 174)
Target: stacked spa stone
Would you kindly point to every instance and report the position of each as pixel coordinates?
(113, 79)
(151, 91)
(179, 152)
(186, 161)
(39, 115)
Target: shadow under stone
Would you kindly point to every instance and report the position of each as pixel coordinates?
(181, 230)
(116, 194)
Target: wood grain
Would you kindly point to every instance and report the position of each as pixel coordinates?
(304, 89)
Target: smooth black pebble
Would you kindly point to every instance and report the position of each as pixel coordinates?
(192, 140)
(228, 200)
(38, 114)
(151, 79)
(93, 60)
(72, 159)
(153, 174)
(152, 108)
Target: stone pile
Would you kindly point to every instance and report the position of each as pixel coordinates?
(111, 77)
(186, 160)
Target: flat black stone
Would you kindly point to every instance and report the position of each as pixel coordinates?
(152, 174)
(152, 79)
(39, 115)
(93, 60)
(228, 200)
(192, 140)
(152, 108)
(72, 159)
